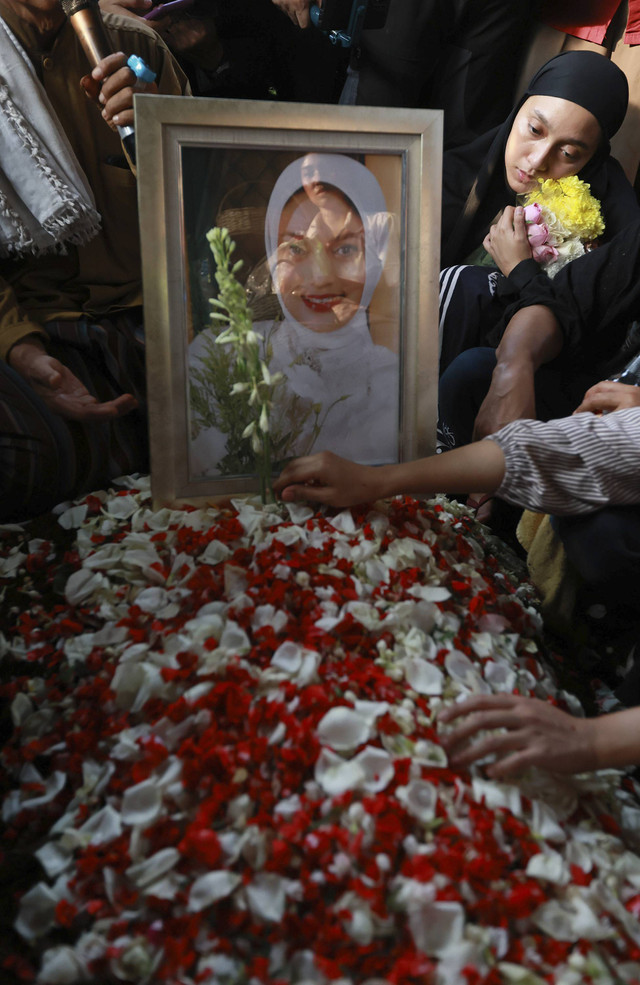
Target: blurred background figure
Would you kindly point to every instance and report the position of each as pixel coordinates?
(612, 28)
(462, 56)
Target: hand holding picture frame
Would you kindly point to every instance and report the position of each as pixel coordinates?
(335, 212)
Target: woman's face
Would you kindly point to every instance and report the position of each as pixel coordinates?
(320, 265)
(550, 138)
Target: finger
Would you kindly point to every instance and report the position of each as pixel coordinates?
(109, 408)
(597, 402)
(307, 493)
(506, 219)
(480, 702)
(47, 377)
(513, 764)
(107, 66)
(91, 87)
(519, 225)
(78, 404)
(490, 745)
(481, 721)
(305, 469)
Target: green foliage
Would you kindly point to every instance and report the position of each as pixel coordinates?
(233, 391)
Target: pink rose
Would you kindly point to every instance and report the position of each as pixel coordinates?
(532, 213)
(544, 253)
(537, 235)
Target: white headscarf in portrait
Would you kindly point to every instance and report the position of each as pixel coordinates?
(361, 187)
(340, 369)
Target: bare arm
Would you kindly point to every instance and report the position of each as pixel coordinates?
(326, 478)
(535, 733)
(532, 338)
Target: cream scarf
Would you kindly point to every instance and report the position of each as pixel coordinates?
(45, 200)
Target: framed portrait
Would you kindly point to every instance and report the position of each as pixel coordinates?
(334, 212)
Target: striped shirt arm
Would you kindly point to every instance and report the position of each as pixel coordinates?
(573, 465)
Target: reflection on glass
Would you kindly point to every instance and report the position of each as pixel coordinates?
(326, 237)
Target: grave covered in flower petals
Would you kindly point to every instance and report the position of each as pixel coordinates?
(226, 761)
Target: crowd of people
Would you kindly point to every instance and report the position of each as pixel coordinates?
(524, 358)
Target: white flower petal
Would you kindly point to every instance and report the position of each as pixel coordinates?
(142, 803)
(336, 775)
(377, 768)
(146, 872)
(152, 599)
(549, 865)
(423, 676)
(266, 896)
(343, 728)
(420, 798)
(82, 584)
(61, 966)
(436, 926)
(102, 827)
(212, 887)
(37, 912)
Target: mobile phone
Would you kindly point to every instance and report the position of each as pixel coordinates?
(163, 9)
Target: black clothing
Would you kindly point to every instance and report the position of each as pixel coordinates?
(461, 56)
(594, 298)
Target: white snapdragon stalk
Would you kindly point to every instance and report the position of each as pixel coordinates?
(259, 384)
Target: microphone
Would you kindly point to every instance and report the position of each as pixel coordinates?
(86, 19)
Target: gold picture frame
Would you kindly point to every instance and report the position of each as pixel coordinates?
(217, 162)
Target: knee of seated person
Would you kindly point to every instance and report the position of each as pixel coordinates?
(32, 479)
(469, 372)
(603, 547)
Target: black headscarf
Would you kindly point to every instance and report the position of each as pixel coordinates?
(474, 183)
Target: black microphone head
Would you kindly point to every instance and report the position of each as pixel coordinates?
(73, 6)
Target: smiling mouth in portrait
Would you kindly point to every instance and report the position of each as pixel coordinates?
(322, 302)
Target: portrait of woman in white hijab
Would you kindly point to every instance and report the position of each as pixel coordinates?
(327, 231)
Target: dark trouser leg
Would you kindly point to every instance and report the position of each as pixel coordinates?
(468, 309)
(37, 455)
(476, 85)
(604, 548)
(458, 55)
(399, 61)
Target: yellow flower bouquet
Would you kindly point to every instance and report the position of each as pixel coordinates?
(563, 221)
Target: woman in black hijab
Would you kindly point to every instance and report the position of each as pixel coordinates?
(475, 186)
(589, 96)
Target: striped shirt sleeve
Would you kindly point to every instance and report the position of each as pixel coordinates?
(573, 465)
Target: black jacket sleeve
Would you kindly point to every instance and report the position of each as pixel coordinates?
(594, 297)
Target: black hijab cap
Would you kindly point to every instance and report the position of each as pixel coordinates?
(588, 79)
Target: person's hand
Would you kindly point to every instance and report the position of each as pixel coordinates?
(507, 240)
(535, 734)
(62, 392)
(326, 478)
(132, 8)
(296, 10)
(608, 396)
(112, 84)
